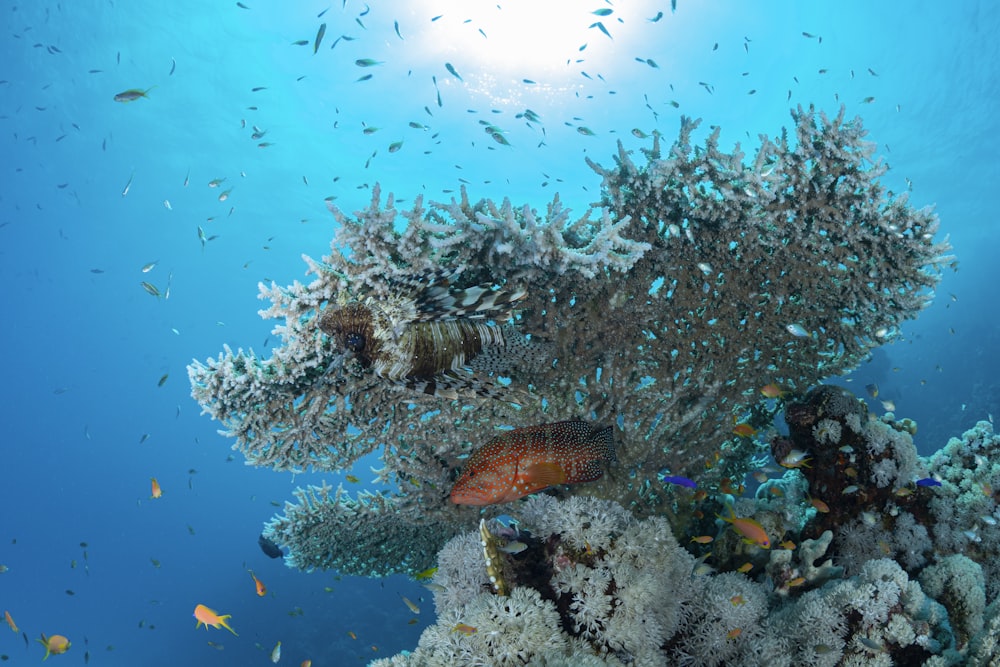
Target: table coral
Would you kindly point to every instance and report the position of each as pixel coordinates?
(712, 272)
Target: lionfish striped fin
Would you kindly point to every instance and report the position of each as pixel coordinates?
(434, 298)
(452, 387)
(443, 303)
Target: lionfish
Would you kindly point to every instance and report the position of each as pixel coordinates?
(433, 338)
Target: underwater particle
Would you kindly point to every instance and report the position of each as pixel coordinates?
(529, 459)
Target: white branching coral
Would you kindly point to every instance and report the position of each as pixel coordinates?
(695, 265)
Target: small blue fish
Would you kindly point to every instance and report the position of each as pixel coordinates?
(678, 480)
(928, 481)
(796, 330)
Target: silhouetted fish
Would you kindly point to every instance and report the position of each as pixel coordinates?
(269, 547)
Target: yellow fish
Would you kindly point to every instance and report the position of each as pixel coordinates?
(54, 645)
(209, 617)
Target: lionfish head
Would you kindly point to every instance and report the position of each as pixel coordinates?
(352, 328)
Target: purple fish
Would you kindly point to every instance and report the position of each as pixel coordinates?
(680, 481)
(928, 481)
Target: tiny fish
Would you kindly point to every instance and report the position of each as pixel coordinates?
(412, 607)
(928, 481)
(464, 628)
(872, 390)
(678, 480)
(155, 490)
(173, 66)
(750, 529)
(395, 146)
(452, 71)
(659, 15)
(772, 391)
(395, 25)
(600, 26)
(276, 652)
(150, 288)
(132, 94)
(796, 330)
(515, 547)
(209, 617)
(368, 62)
(128, 185)
(319, 37)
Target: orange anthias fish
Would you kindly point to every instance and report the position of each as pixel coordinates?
(772, 391)
(210, 617)
(54, 645)
(526, 460)
(157, 492)
(751, 531)
(10, 621)
(261, 588)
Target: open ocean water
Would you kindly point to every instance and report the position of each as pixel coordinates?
(95, 396)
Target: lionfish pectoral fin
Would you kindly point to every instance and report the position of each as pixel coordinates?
(439, 301)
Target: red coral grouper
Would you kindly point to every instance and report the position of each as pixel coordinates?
(526, 460)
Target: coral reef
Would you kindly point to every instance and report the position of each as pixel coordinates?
(712, 273)
(631, 595)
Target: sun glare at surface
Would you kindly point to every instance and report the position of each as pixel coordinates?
(542, 42)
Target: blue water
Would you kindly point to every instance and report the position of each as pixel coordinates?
(85, 345)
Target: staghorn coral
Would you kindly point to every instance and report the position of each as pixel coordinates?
(697, 264)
